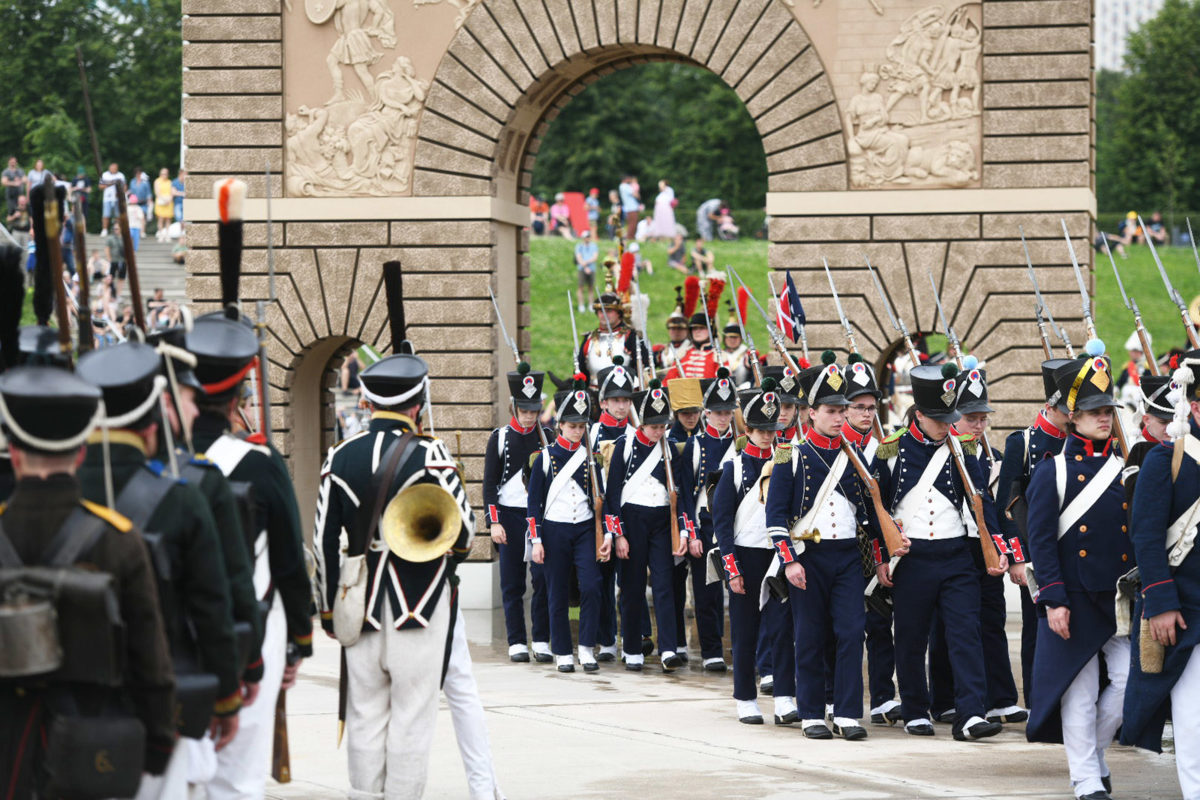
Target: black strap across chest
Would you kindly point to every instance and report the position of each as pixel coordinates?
(142, 496)
(78, 534)
(370, 507)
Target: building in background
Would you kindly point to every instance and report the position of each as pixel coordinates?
(1115, 20)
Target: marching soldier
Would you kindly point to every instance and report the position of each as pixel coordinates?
(687, 405)
(562, 528)
(1166, 664)
(612, 338)
(711, 447)
(47, 415)
(700, 360)
(739, 520)
(639, 504)
(793, 404)
(1156, 415)
(1080, 546)
(816, 498)
(734, 352)
(399, 609)
(924, 488)
(862, 393)
(1023, 450)
(1001, 687)
(677, 335)
(226, 351)
(505, 497)
(193, 588)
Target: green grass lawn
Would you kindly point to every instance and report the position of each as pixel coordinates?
(553, 274)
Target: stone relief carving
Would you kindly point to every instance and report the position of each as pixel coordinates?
(465, 7)
(817, 4)
(915, 118)
(360, 141)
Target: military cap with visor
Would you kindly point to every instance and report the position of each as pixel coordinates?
(525, 386)
(935, 391)
(825, 384)
(47, 410)
(761, 406)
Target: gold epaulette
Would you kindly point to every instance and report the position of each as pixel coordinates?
(739, 444)
(783, 454)
(114, 518)
(970, 444)
(889, 448)
(533, 457)
(605, 452)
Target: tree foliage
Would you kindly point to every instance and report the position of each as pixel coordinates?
(662, 120)
(131, 50)
(1148, 120)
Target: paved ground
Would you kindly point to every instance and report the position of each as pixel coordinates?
(616, 733)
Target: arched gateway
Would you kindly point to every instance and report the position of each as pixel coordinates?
(918, 133)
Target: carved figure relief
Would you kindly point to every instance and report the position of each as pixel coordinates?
(465, 7)
(360, 141)
(915, 118)
(817, 4)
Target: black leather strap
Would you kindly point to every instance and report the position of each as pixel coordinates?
(366, 520)
(142, 496)
(8, 554)
(78, 534)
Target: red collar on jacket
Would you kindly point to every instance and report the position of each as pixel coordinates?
(852, 435)
(641, 437)
(1046, 426)
(714, 433)
(824, 442)
(1146, 435)
(754, 451)
(611, 421)
(787, 434)
(567, 445)
(516, 426)
(915, 431)
(1089, 446)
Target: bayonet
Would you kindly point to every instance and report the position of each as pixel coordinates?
(504, 331)
(1192, 239)
(772, 331)
(1040, 308)
(1086, 298)
(574, 334)
(895, 319)
(951, 337)
(841, 314)
(1131, 304)
(1176, 298)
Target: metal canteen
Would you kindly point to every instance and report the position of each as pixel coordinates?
(29, 643)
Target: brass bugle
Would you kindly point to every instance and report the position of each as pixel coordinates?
(421, 522)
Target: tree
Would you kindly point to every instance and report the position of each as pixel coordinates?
(1156, 122)
(663, 120)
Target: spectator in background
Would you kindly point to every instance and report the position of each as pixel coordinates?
(179, 251)
(139, 187)
(81, 188)
(157, 301)
(664, 212)
(164, 205)
(67, 240)
(109, 182)
(539, 215)
(707, 216)
(1156, 230)
(560, 217)
(178, 192)
(349, 374)
(587, 252)
(593, 211)
(631, 203)
(1129, 231)
(640, 264)
(117, 268)
(616, 215)
(18, 222)
(36, 176)
(97, 266)
(645, 224)
(677, 255)
(702, 258)
(13, 179)
(726, 229)
(137, 220)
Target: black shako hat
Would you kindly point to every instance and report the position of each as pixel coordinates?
(1155, 389)
(38, 346)
(761, 406)
(1086, 383)
(935, 391)
(860, 378)
(47, 410)
(128, 376)
(653, 405)
(574, 404)
(972, 388)
(787, 384)
(525, 386)
(1048, 384)
(225, 350)
(614, 381)
(171, 344)
(397, 380)
(824, 384)
(719, 393)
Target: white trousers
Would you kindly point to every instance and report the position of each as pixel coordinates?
(1090, 718)
(1185, 700)
(172, 784)
(466, 711)
(392, 704)
(244, 763)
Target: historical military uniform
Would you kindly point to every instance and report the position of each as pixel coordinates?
(47, 411)
(700, 361)
(394, 667)
(638, 507)
(506, 461)
(599, 347)
(180, 530)
(1163, 533)
(1080, 547)
(707, 451)
(740, 524)
(1154, 390)
(815, 506)
(736, 359)
(1001, 687)
(687, 397)
(1023, 450)
(226, 351)
(561, 517)
(925, 494)
(677, 326)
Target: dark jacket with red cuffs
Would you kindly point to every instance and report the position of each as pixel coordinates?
(506, 458)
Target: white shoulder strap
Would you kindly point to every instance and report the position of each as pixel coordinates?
(1090, 494)
(1060, 478)
(737, 474)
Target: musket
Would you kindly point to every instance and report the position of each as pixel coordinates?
(991, 556)
(1040, 307)
(51, 224)
(755, 367)
(1176, 298)
(837, 301)
(1192, 239)
(1090, 326)
(84, 313)
(876, 425)
(574, 333)
(594, 480)
(803, 335)
(672, 494)
(713, 339)
(772, 331)
(504, 331)
(895, 319)
(1131, 304)
(639, 336)
(135, 287)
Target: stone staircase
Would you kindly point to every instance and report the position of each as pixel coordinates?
(156, 270)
